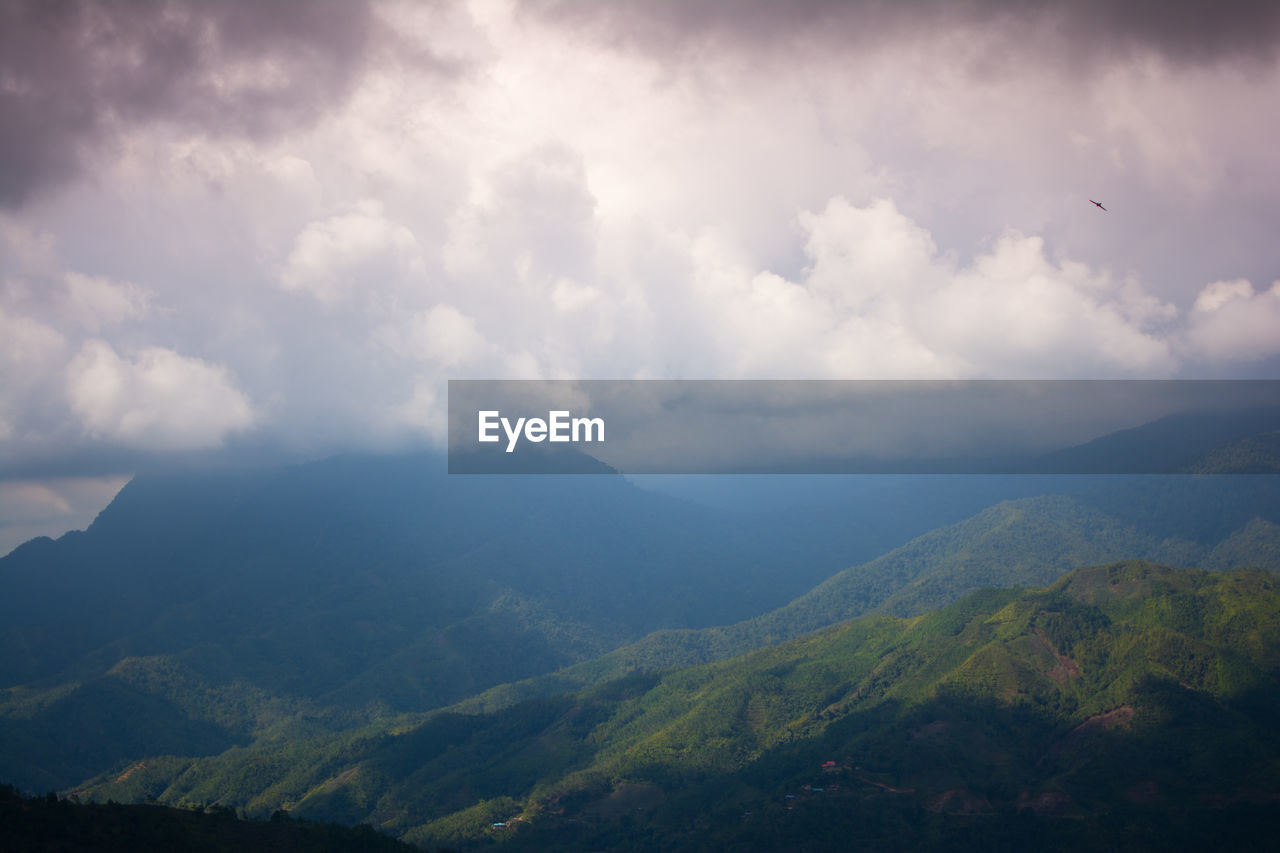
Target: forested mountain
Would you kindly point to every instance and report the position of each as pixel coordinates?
(222, 607)
(1211, 522)
(1129, 703)
(261, 638)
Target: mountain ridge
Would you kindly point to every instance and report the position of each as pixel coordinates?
(997, 704)
(931, 571)
(256, 639)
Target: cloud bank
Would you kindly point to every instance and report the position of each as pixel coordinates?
(74, 71)
(285, 226)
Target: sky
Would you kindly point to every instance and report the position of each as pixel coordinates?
(249, 232)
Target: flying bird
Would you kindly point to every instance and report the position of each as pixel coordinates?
(1098, 203)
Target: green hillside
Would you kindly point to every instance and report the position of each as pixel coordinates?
(287, 638)
(1255, 454)
(239, 685)
(1131, 691)
(1204, 522)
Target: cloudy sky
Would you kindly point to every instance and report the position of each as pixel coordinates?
(275, 230)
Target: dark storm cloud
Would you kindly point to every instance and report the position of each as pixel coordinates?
(1181, 30)
(71, 70)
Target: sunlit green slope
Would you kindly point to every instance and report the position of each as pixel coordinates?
(1129, 689)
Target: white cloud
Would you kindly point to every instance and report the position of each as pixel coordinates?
(1219, 293)
(159, 401)
(504, 196)
(96, 301)
(878, 300)
(532, 218)
(568, 207)
(25, 249)
(29, 352)
(569, 296)
(27, 346)
(1230, 321)
(1016, 313)
(445, 337)
(861, 256)
(422, 414)
(362, 250)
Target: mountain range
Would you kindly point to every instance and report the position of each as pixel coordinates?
(598, 664)
(1121, 692)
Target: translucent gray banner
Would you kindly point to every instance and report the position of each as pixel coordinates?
(863, 427)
